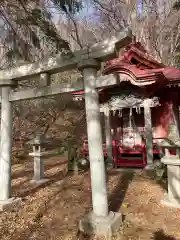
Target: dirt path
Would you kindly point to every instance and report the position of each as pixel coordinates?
(54, 210)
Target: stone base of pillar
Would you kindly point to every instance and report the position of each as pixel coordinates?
(10, 204)
(170, 202)
(91, 224)
(40, 181)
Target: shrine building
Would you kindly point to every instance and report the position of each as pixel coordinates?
(141, 113)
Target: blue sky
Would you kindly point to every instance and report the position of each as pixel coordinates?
(140, 7)
(87, 10)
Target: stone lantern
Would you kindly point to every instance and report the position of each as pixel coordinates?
(37, 154)
(172, 197)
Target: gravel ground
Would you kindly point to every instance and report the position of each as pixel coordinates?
(53, 211)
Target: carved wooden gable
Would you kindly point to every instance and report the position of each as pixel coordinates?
(129, 98)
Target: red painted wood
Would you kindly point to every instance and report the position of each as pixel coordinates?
(135, 63)
(162, 119)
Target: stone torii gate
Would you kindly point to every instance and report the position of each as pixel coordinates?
(100, 220)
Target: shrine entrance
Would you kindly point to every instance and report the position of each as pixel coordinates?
(128, 138)
(126, 105)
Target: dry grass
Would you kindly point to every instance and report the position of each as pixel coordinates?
(54, 210)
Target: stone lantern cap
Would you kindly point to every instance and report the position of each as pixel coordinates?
(38, 140)
(173, 160)
(168, 143)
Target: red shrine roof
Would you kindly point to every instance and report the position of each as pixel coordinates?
(136, 65)
(135, 60)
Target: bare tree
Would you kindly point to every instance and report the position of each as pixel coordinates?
(155, 24)
(28, 31)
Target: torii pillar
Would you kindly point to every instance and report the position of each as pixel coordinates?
(100, 220)
(6, 201)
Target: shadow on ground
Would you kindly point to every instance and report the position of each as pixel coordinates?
(33, 188)
(29, 172)
(77, 192)
(118, 194)
(152, 175)
(59, 212)
(160, 235)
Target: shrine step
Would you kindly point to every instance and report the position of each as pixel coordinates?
(132, 158)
